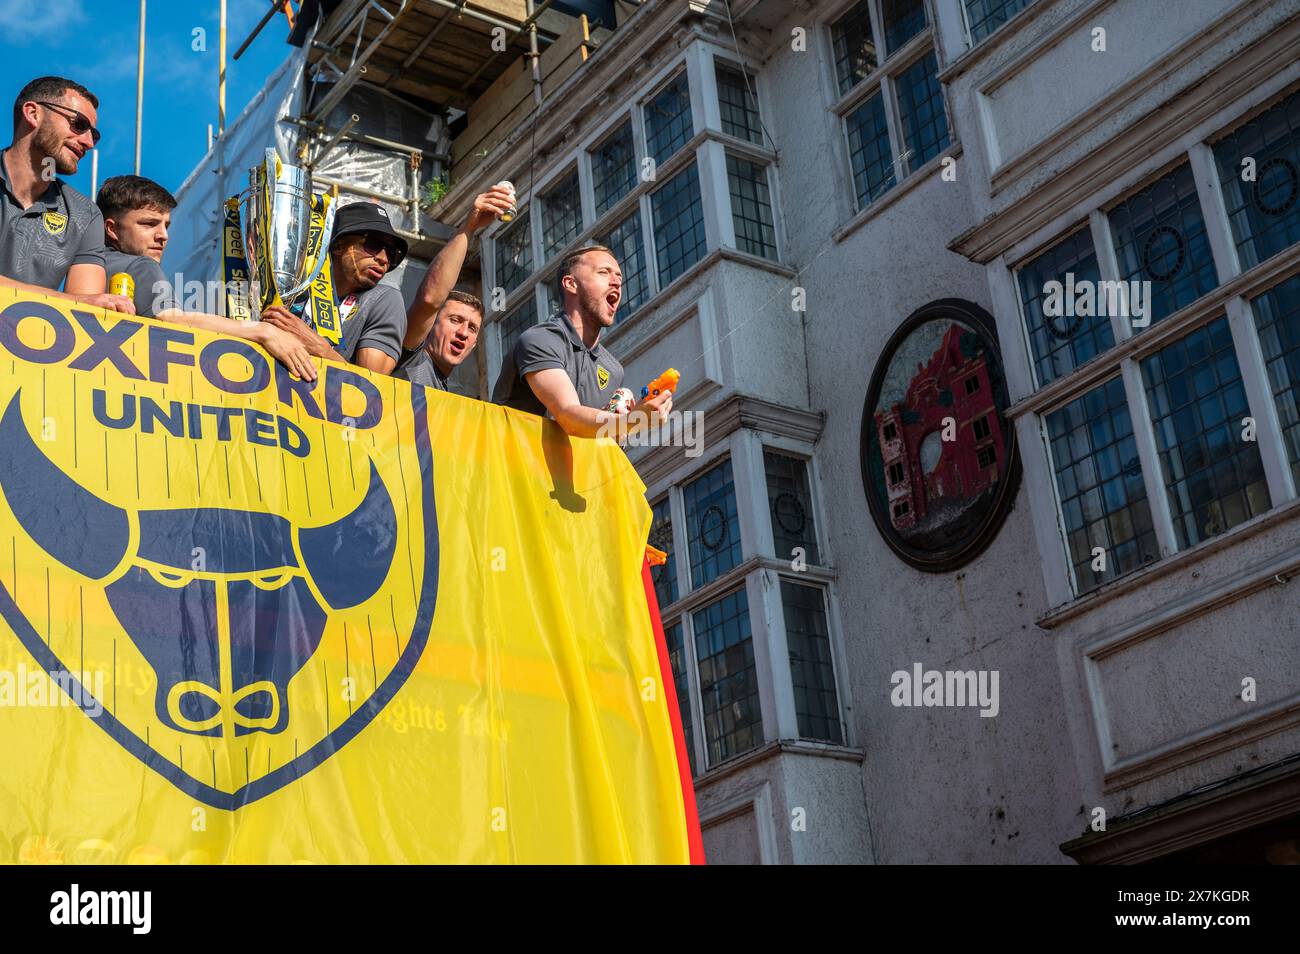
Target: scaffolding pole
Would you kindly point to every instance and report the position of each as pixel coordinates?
(358, 66)
(529, 26)
(139, 90)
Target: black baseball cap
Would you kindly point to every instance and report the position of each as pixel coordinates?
(368, 217)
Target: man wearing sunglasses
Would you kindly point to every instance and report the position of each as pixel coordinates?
(51, 235)
(363, 249)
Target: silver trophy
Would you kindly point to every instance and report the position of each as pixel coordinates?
(286, 230)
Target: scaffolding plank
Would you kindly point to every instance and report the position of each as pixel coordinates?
(509, 100)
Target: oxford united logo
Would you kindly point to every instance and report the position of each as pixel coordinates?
(275, 593)
(54, 222)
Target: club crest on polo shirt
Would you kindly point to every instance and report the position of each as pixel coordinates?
(54, 222)
(602, 377)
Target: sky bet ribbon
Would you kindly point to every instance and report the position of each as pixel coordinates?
(323, 315)
(234, 265)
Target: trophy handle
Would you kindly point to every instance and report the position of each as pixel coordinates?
(326, 235)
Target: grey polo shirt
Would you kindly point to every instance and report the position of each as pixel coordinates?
(595, 374)
(153, 293)
(61, 229)
(377, 321)
(417, 367)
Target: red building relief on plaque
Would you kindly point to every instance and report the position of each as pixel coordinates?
(931, 480)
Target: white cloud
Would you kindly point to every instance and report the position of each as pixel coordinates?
(25, 21)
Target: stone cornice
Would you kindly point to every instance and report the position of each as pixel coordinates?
(1272, 794)
(1159, 129)
(721, 420)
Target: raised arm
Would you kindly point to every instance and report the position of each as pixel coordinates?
(444, 271)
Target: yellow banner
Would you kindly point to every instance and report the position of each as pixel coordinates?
(248, 619)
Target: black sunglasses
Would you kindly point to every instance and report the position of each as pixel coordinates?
(76, 121)
(374, 241)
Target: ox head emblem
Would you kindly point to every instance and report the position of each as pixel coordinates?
(226, 606)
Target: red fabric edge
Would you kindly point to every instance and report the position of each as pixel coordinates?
(694, 838)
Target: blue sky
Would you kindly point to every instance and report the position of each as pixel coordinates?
(94, 43)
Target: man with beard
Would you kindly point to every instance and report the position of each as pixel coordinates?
(51, 235)
(363, 248)
(560, 368)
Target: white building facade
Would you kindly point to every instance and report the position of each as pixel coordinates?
(896, 154)
(785, 185)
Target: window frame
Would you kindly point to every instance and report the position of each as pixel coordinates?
(707, 148)
(680, 70)
(721, 144)
(1231, 298)
(624, 117)
(759, 572)
(765, 169)
(969, 38)
(553, 181)
(882, 80)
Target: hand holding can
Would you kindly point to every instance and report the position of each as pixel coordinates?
(621, 402)
(514, 206)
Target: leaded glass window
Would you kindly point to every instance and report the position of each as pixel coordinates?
(1160, 237)
(812, 673)
(739, 111)
(561, 214)
(1259, 169)
(514, 253)
(724, 651)
(790, 504)
(1277, 316)
(626, 242)
(1062, 336)
(869, 152)
(613, 168)
(668, 119)
(985, 16)
(515, 323)
(855, 49)
(1214, 479)
(1099, 483)
(678, 216)
(661, 538)
(751, 207)
(920, 106)
(677, 658)
(712, 524)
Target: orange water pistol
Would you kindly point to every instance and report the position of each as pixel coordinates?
(665, 382)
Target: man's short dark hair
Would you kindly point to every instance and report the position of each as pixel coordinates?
(571, 260)
(122, 194)
(465, 298)
(49, 89)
